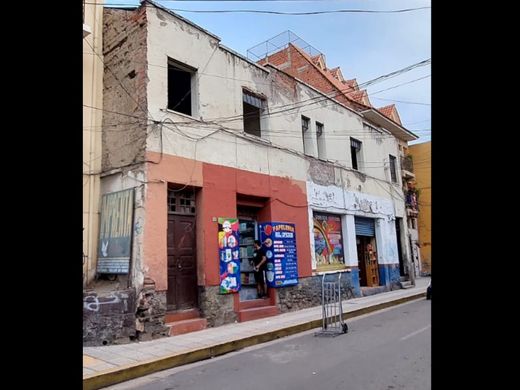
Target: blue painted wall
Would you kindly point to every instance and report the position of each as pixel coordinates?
(389, 274)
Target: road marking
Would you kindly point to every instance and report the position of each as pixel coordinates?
(414, 333)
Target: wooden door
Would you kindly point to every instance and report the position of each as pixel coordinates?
(360, 244)
(182, 264)
(367, 262)
(372, 265)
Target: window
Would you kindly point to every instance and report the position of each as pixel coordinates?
(179, 87)
(181, 202)
(253, 106)
(320, 140)
(393, 169)
(305, 128)
(319, 129)
(355, 149)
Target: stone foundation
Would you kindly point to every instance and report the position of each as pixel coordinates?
(217, 308)
(150, 314)
(108, 319)
(308, 292)
(119, 317)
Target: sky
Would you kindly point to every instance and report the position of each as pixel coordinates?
(364, 45)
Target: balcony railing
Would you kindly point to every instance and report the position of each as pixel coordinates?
(412, 200)
(407, 163)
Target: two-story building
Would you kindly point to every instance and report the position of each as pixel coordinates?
(215, 152)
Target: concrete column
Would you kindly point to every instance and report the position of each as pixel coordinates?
(311, 240)
(348, 228)
(349, 240)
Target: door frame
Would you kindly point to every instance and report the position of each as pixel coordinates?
(183, 210)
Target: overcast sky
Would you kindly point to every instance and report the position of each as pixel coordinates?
(364, 45)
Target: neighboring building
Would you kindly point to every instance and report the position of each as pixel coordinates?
(92, 117)
(422, 160)
(309, 65)
(216, 151)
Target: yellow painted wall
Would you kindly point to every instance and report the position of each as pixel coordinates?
(422, 157)
(92, 97)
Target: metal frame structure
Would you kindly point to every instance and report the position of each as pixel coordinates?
(332, 309)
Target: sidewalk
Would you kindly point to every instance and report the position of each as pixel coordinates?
(107, 365)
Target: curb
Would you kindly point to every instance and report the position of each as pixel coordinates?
(137, 370)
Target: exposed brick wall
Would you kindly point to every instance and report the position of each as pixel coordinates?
(293, 62)
(125, 81)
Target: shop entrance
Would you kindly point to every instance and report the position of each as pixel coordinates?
(367, 252)
(248, 233)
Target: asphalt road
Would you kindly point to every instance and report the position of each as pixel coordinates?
(389, 349)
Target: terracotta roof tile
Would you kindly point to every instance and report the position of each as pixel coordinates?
(390, 112)
(336, 73)
(352, 83)
(360, 96)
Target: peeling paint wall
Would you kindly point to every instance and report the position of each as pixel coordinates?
(217, 91)
(348, 204)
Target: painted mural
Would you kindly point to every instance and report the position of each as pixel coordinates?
(328, 240)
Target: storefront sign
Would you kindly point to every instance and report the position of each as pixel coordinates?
(228, 248)
(279, 242)
(328, 240)
(115, 232)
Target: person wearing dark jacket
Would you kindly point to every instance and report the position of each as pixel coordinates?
(260, 261)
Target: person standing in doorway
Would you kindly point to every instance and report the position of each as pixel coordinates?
(260, 261)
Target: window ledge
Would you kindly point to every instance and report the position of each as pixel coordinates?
(180, 114)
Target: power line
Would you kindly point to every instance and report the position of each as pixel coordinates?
(398, 85)
(325, 96)
(403, 101)
(145, 110)
(359, 11)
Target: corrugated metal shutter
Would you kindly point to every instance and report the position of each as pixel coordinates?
(365, 227)
(253, 100)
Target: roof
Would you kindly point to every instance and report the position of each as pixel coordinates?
(390, 112)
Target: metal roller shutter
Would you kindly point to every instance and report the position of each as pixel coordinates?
(365, 227)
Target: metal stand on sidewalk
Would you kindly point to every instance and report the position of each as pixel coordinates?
(332, 310)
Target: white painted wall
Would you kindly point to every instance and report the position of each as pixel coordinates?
(333, 199)
(220, 77)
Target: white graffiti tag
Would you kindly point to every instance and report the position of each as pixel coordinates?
(91, 302)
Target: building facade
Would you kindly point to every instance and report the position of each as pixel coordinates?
(215, 152)
(422, 160)
(310, 66)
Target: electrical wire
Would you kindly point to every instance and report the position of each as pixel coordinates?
(360, 11)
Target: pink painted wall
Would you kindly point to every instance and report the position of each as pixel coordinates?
(217, 198)
(171, 169)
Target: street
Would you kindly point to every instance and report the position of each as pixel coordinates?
(389, 349)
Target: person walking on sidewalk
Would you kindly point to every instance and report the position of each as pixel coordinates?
(260, 261)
